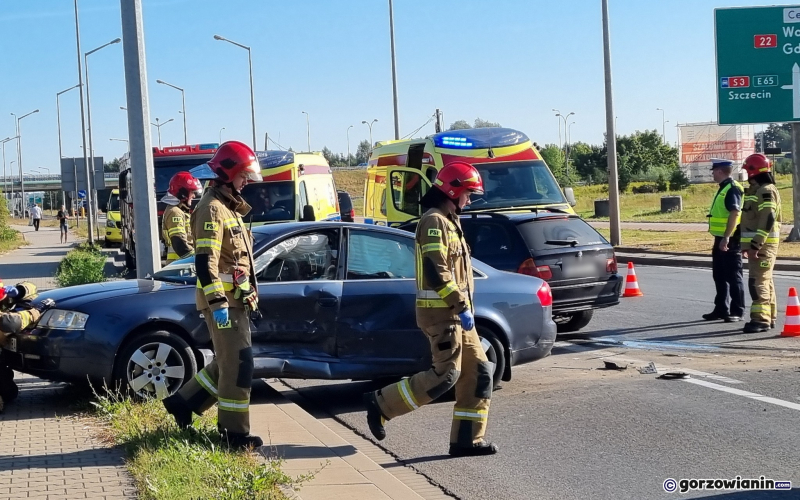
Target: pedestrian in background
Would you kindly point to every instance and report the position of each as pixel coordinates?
(36, 215)
(63, 217)
(726, 257)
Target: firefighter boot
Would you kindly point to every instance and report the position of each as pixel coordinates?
(177, 407)
(375, 418)
(8, 388)
(478, 449)
(241, 441)
(755, 327)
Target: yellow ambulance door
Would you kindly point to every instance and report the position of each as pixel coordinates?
(407, 186)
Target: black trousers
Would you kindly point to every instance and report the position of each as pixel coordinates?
(36, 223)
(727, 273)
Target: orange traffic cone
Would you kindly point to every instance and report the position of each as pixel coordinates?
(791, 328)
(631, 285)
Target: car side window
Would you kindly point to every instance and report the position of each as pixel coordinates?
(375, 255)
(488, 240)
(307, 257)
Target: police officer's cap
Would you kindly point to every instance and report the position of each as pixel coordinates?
(720, 163)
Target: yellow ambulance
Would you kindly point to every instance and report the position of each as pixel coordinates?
(515, 177)
(113, 220)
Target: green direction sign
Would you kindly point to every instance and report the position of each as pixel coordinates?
(758, 64)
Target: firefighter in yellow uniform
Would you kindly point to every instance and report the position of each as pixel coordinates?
(175, 223)
(227, 295)
(446, 315)
(761, 227)
(13, 322)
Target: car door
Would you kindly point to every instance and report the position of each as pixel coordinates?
(299, 294)
(377, 321)
(408, 186)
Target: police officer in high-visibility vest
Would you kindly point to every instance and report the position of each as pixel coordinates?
(175, 229)
(446, 315)
(227, 295)
(726, 255)
(13, 322)
(761, 230)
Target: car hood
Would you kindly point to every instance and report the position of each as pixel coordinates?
(115, 216)
(74, 297)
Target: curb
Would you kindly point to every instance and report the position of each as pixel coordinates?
(684, 260)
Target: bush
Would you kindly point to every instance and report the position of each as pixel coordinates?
(80, 266)
(678, 180)
(645, 188)
(661, 184)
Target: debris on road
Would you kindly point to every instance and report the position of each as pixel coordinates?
(649, 369)
(610, 365)
(673, 376)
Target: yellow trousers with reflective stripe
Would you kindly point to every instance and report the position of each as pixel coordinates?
(228, 378)
(762, 286)
(458, 360)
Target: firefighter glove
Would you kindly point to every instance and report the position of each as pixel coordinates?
(12, 291)
(467, 319)
(221, 316)
(45, 305)
(251, 300)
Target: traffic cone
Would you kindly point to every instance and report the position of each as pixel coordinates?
(631, 285)
(791, 327)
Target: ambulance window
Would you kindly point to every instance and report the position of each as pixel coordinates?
(383, 202)
(407, 190)
(303, 194)
(432, 174)
(374, 255)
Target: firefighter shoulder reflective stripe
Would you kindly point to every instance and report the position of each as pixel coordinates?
(176, 230)
(229, 223)
(433, 247)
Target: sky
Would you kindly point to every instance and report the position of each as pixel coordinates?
(507, 61)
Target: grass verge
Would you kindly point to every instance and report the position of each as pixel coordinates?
(80, 266)
(168, 463)
(683, 242)
(10, 240)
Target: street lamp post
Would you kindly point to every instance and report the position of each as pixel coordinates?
(120, 140)
(308, 131)
(663, 125)
(369, 124)
(220, 134)
(394, 73)
(567, 135)
(611, 134)
(252, 93)
(558, 114)
(348, 145)
(566, 138)
(183, 102)
(158, 127)
(11, 170)
(89, 221)
(19, 157)
(58, 118)
(5, 177)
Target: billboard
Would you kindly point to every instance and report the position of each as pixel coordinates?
(698, 143)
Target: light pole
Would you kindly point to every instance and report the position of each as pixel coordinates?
(663, 125)
(49, 193)
(348, 145)
(611, 134)
(252, 93)
(58, 117)
(158, 127)
(558, 114)
(183, 102)
(120, 140)
(5, 177)
(394, 73)
(308, 130)
(567, 135)
(369, 124)
(89, 221)
(11, 169)
(19, 157)
(566, 138)
(220, 134)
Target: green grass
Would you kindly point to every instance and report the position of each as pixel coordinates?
(352, 181)
(646, 207)
(10, 240)
(80, 266)
(170, 464)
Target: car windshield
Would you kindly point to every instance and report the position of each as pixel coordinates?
(516, 184)
(113, 203)
(559, 232)
(271, 201)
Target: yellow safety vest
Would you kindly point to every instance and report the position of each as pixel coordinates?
(718, 215)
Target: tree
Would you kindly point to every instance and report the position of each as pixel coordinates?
(479, 123)
(112, 166)
(328, 155)
(363, 151)
(485, 124)
(554, 157)
(459, 125)
(777, 136)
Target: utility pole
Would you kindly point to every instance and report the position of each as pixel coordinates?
(394, 74)
(611, 136)
(438, 120)
(86, 152)
(795, 234)
(148, 258)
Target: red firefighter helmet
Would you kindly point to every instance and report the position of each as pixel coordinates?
(457, 177)
(232, 158)
(184, 183)
(756, 164)
(2, 291)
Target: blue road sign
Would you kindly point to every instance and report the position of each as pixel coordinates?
(82, 194)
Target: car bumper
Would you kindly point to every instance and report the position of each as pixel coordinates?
(61, 355)
(580, 297)
(113, 235)
(540, 349)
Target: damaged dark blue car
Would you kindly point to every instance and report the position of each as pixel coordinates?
(337, 302)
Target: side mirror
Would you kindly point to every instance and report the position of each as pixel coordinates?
(569, 193)
(308, 214)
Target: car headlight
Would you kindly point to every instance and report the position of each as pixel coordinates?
(111, 224)
(59, 319)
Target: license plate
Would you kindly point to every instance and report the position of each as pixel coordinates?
(579, 271)
(11, 345)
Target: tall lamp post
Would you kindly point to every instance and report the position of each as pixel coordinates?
(394, 73)
(369, 124)
(183, 102)
(558, 119)
(19, 157)
(611, 134)
(663, 125)
(158, 127)
(5, 177)
(220, 134)
(308, 131)
(252, 93)
(58, 118)
(348, 145)
(566, 138)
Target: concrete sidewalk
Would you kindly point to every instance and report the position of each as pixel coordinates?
(38, 261)
(668, 226)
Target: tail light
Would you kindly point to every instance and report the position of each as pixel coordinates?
(611, 265)
(530, 268)
(545, 295)
(352, 213)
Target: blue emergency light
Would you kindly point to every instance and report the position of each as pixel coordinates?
(479, 138)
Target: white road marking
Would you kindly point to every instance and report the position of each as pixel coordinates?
(739, 392)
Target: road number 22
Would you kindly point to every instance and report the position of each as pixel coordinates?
(765, 41)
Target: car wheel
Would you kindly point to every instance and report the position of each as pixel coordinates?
(155, 365)
(573, 322)
(495, 352)
(8, 388)
(130, 262)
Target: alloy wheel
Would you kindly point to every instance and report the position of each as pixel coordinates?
(155, 370)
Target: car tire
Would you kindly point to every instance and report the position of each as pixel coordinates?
(494, 351)
(136, 370)
(574, 322)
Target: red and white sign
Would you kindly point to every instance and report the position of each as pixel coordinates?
(700, 143)
(765, 41)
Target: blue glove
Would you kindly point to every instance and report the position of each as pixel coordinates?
(221, 316)
(467, 319)
(12, 291)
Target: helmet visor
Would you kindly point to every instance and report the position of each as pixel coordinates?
(253, 171)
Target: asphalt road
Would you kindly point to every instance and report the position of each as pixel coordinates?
(567, 429)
